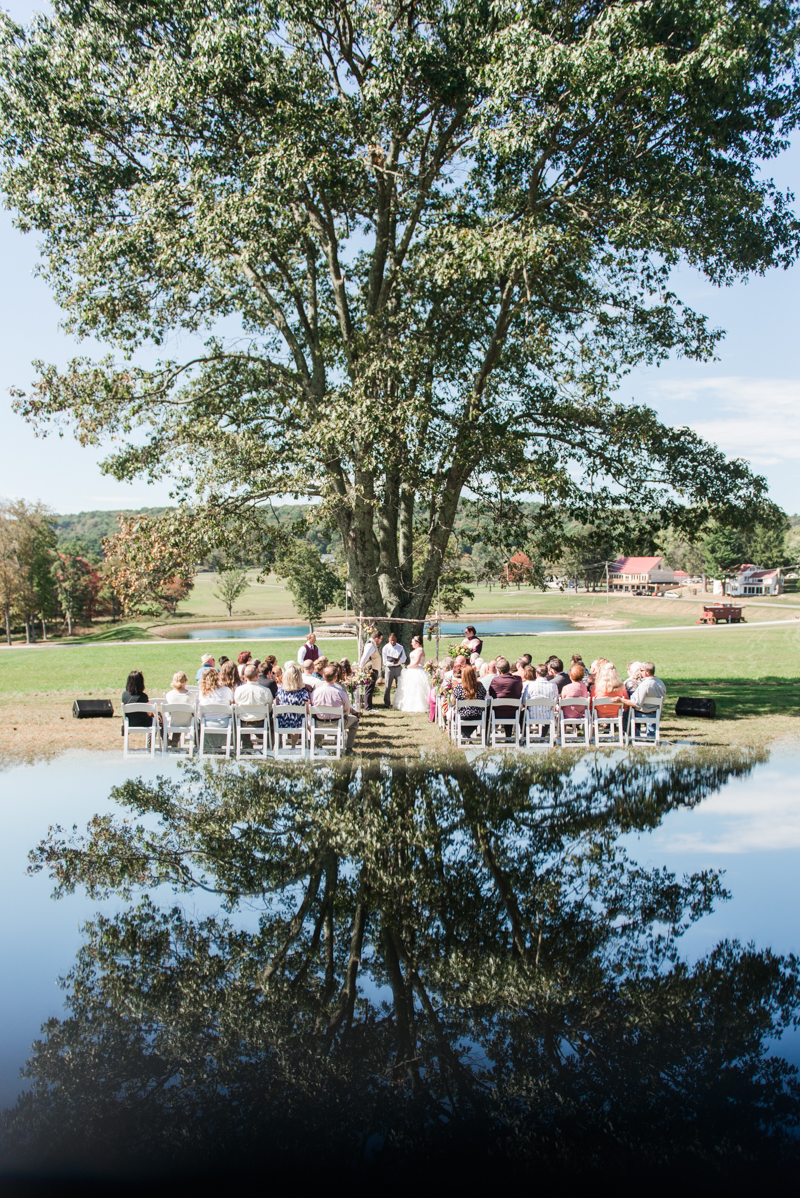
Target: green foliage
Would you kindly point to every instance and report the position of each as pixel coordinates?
(443, 234)
(314, 585)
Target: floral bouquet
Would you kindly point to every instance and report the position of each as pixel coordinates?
(358, 676)
(446, 690)
(457, 649)
(430, 668)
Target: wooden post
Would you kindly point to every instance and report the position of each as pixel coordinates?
(438, 616)
(360, 634)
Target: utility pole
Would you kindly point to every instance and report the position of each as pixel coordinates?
(606, 584)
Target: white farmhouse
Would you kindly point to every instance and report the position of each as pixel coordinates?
(749, 580)
(640, 575)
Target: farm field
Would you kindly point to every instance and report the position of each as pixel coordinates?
(752, 672)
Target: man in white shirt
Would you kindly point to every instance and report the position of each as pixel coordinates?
(328, 694)
(541, 687)
(251, 693)
(371, 659)
(646, 695)
(394, 658)
(308, 653)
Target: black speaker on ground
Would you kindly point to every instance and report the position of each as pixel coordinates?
(92, 709)
(702, 707)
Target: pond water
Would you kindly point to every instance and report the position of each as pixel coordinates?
(523, 626)
(416, 968)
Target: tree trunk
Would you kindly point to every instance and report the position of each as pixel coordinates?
(69, 622)
(7, 608)
(44, 628)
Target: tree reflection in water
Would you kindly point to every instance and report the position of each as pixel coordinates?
(447, 969)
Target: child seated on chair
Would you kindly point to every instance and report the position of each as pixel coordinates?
(575, 689)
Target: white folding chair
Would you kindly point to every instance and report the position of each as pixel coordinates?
(539, 714)
(505, 722)
(150, 730)
(608, 729)
(178, 719)
(326, 722)
(211, 719)
(644, 727)
(459, 723)
(576, 728)
(442, 703)
(280, 749)
(252, 721)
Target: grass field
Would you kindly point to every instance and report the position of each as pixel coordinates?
(752, 672)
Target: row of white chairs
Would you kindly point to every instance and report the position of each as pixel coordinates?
(542, 721)
(247, 730)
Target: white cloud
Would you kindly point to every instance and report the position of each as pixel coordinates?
(753, 418)
(757, 813)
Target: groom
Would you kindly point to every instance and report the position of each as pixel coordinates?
(394, 657)
(370, 658)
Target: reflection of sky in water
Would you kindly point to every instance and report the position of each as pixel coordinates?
(751, 829)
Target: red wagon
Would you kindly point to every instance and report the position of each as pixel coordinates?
(721, 613)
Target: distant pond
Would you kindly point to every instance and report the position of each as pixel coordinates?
(526, 627)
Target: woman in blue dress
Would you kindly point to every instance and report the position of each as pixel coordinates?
(292, 692)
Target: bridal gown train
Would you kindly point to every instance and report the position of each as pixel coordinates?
(413, 688)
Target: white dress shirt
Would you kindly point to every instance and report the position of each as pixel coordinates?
(251, 693)
(393, 655)
(367, 652)
(301, 652)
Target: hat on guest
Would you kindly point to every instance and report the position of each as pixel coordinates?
(206, 658)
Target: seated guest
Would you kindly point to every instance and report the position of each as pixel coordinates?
(649, 689)
(607, 685)
(229, 675)
(469, 688)
(576, 688)
(319, 665)
(492, 667)
(458, 665)
(251, 690)
(446, 669)
(634, 669)
(291, 691)
(476, 661)
(594, 668)
(520, 667)
(309, 678)
(266, 674)
(505, 685)
(328, 694)
(345, 669)
(525, 658)
(540, 687)
(213, 691)
(206, 663)
(179, 693)
(135, 693)
(243, 658)
(223, 661)
(555, 670)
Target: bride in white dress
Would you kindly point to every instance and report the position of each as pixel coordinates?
(413, 688)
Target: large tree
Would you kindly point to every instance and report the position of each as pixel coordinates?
(422, 242)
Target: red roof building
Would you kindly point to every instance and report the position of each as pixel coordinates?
(640, 575)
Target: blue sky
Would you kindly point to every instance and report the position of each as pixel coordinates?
(747, 402)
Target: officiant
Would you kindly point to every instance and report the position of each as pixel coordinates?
(394, 658)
